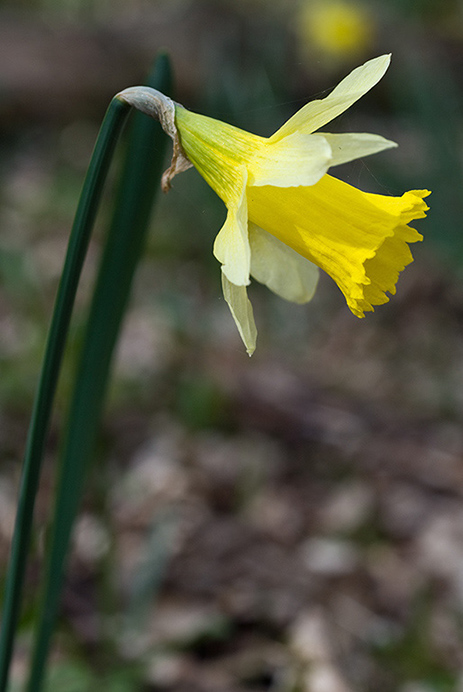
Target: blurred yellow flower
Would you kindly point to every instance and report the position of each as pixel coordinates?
(286, 216)
(337, 29)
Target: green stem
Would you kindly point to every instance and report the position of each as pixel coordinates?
(139, 183)
(78, 243)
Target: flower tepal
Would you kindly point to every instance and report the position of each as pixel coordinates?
(286, 217)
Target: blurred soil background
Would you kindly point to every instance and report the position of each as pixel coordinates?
(293, 522)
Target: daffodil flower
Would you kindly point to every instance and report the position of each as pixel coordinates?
(285, 215)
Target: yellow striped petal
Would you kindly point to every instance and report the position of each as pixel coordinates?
(294, 160)
(355, 145)
(344, 231)
(241, 310)
(280, 268)
(321, 111)
(218, 151)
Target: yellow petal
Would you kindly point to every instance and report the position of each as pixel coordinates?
(294, 160)
(231, 246)
(355, 145)
(359, 239)
(279, 267)
(321, 111)
(241, 310)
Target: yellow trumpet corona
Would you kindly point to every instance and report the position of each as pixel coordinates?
(286, 217)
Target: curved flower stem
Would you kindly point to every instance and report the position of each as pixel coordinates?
(78, 243)
(139, 183)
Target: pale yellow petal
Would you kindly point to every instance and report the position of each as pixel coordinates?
(241, 310)
(359, 239)
(355, 145)
(280, 268)
(321, 111)
(231, 246)
(294, 160)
